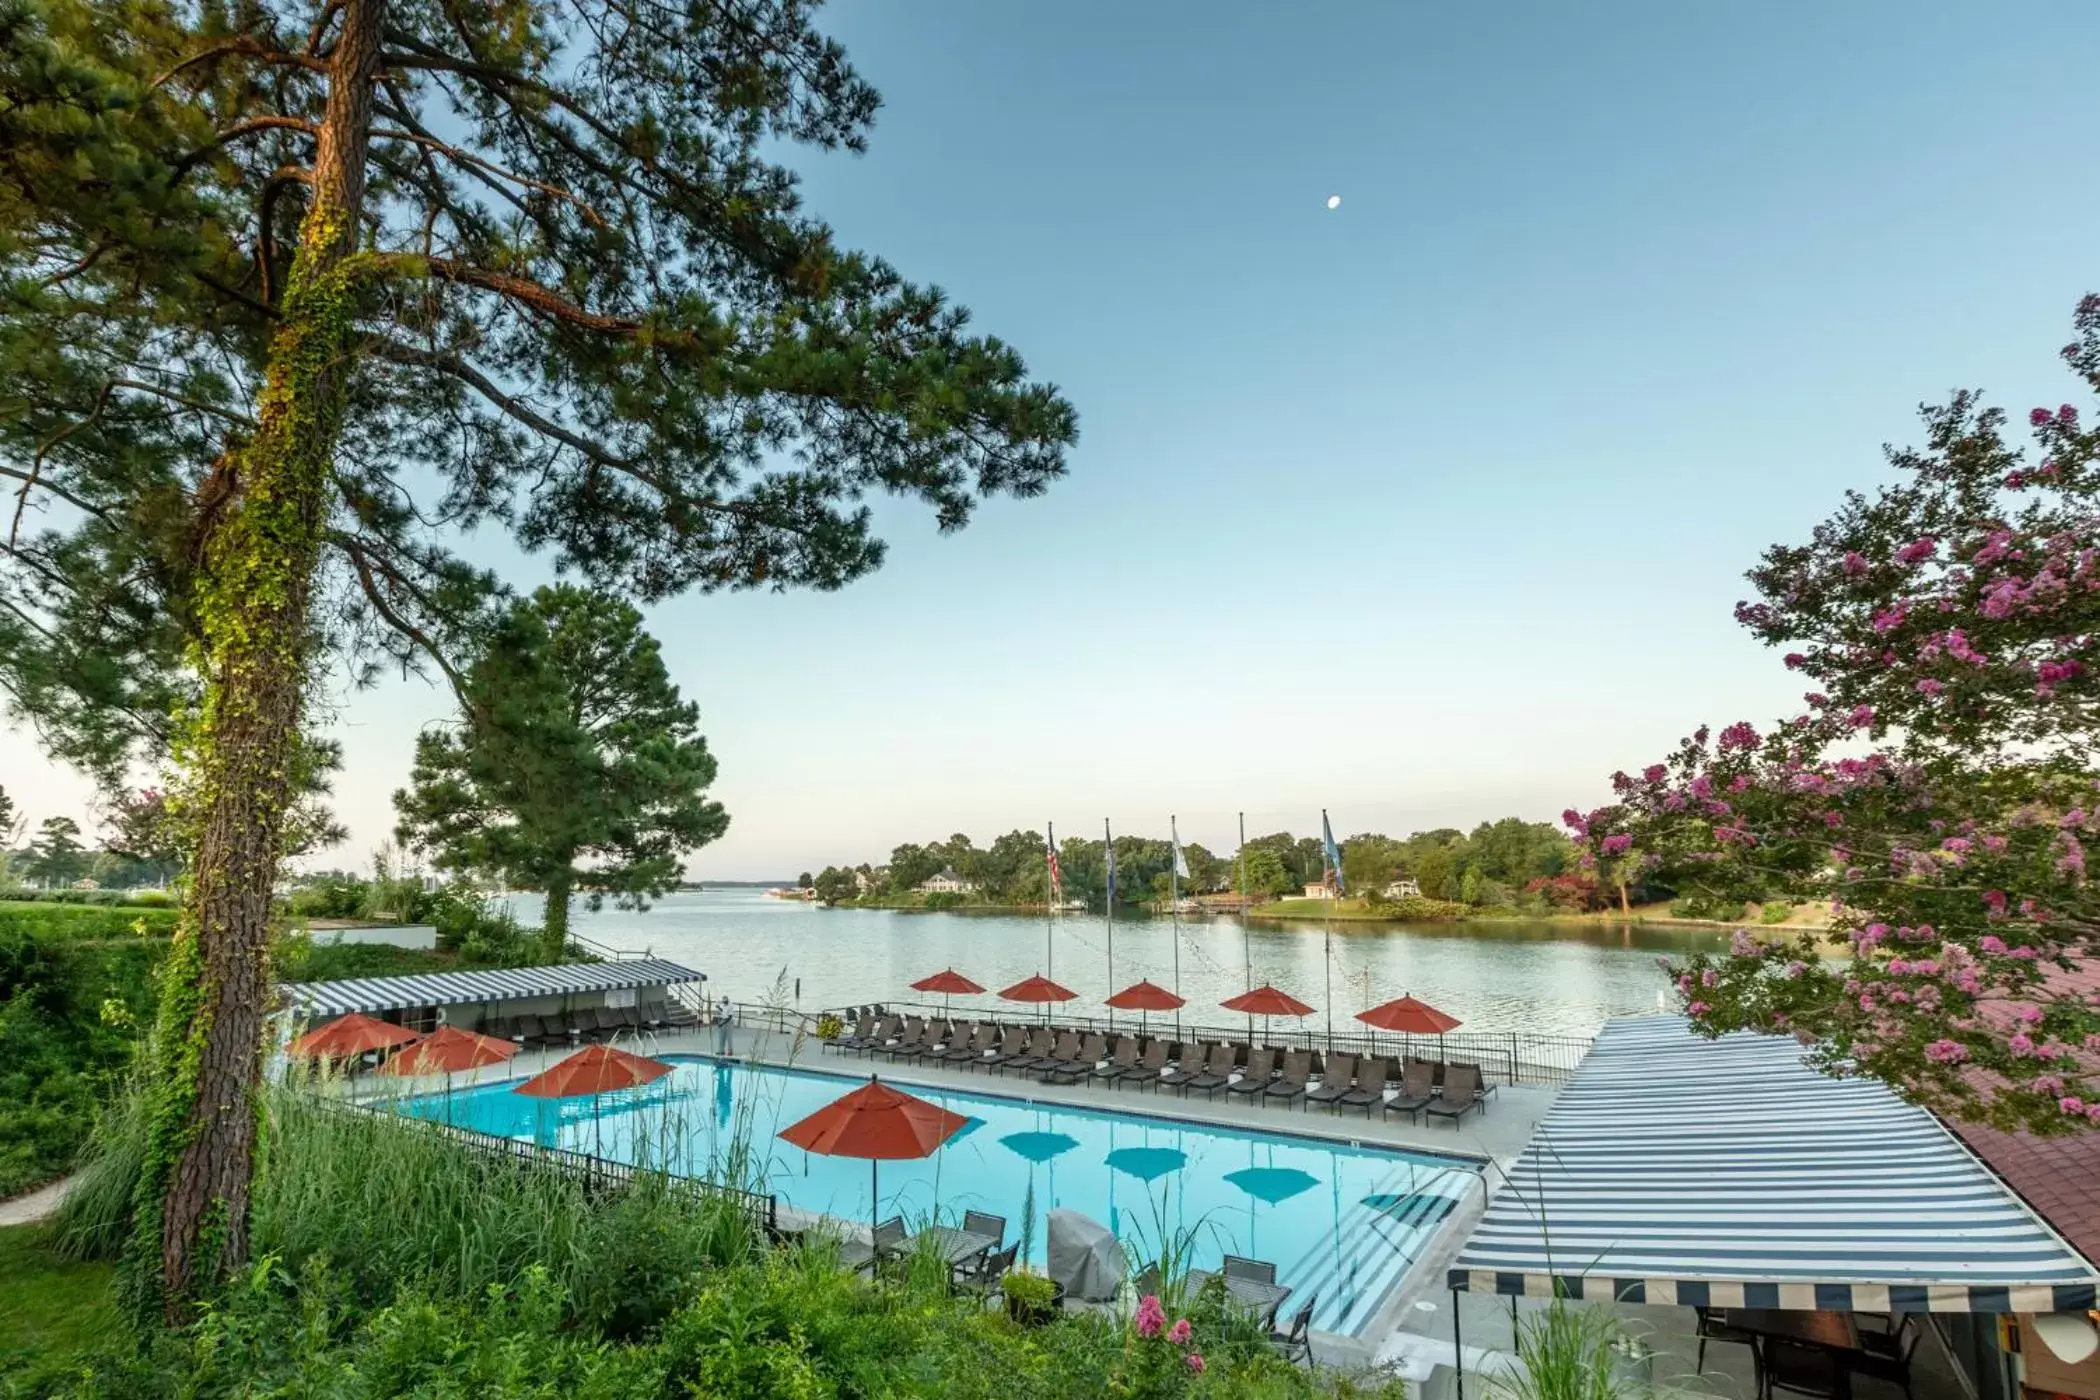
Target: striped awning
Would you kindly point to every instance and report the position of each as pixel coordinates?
(322, 1000)
(1727, 1173)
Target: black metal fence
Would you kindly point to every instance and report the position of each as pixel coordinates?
(598, 1175)
(1505, 1057)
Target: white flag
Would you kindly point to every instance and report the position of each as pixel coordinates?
(1181, 865)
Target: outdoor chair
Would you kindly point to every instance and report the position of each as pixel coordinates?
(1010, 1047)
(1035, 1046)
(1297, 1072)
(848, 1040)
(982, 1274)
(528, 1031)
(1798, 1368)
(1215, 1076)
(1712, 1325)
(904, 1043)
(1120, 1063)
(1417, 1089)
(1240, 1266)
(497, 1028)
(1483, 1089)
(939, 1036)
(885, 1031)
(1092, 1051)
(1066, 1052)
(1336, 1077)
(1461, 1094)
(1255, 1079)
(1294, 1344)
(1885, 1356)
(1370, 1088)
(980, 1041)
(977, 1222)
(631, 1019)
(1147, 1069)
(888, 1239)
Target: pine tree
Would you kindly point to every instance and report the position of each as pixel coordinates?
(293, 294)
(575, 767)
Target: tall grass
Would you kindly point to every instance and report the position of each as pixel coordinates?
(1566, 1353)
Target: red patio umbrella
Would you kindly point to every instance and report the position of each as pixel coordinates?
(347, 1037)
(947, 982)
(597, 1070)
(449, 1050)
(877, 1123)
(1409, 1017)
(1038, 988)
(1266, 1001)
(1146, 996)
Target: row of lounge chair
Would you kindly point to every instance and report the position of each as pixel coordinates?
(1263, 1074)
(591, 1023)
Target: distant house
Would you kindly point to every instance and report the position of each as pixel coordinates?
(861, 883)
(947, 882)
(1404, 889)
(1318, 892)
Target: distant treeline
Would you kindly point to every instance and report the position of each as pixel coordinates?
(1508, 863)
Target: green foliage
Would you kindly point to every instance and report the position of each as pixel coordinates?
(57, 856)
(1030, 1290)
(836, 886)
(1262, 872)
(943, 899)
(1566, 1353)
(576, 764)
(1775, 911)
(330, 897)
(1714, 908)
(51, 1309)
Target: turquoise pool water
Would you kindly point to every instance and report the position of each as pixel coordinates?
(1342, 1222)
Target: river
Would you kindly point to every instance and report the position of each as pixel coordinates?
(1495, 975)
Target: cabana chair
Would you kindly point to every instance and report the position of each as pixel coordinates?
(1092, 1051)
(1417, 1089)
(851, 1040)
(1255, 1078)
(907, 1039)
(1121, 1062)
(1012, 1046)
(1336, 1076)
(1147, 1070)
(1292, 1083)
(1370, 1088)
(1215, 1076)
(1461, 1094)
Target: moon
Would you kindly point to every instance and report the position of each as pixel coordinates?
(1334, 201)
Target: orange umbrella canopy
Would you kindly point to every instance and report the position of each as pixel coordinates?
(1145, 996)
(598, 1070)
(947, 981)
(1038, 988)
(348, 1036)
(1411, 1016)
(876, 1123)
(1267, 1001)
(449, 1050)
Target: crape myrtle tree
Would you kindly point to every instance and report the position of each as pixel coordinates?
(1938, 788)
(575, 766)
(295, 293)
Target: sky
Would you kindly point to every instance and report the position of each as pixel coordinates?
(1426, 510)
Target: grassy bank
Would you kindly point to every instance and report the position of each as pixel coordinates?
(1362, 910)
(52, 1309)
(396, 1261)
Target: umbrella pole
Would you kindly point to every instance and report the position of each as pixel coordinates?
(874, 1196)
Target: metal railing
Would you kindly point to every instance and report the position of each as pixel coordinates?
(597, 1175)
(1505, 1057)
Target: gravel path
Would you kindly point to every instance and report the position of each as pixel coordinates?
(37, 1205)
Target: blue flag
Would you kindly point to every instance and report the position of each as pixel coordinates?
(1334, 853)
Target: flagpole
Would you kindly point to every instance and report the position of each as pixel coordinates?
(1246, 928)
(1174, 895)
(1050, 904)
(1108, 853)
(1334, 888)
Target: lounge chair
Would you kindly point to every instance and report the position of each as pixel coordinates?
(1417, 1088)
(1092, 1051)
(888, 1239)
(1122, 1061)
(1461, 1094)
(1066, 1053)
(1370, 1088)
(631, 1019)
(1012, 1046)
(886, 1030)
(1035, 1047)
(974, 1048)
(1215, 1076)
(1336, 1076)
(1148, 1068)
(529, 1032)
(1254, 1079)
(497, 1027)
(851, 1040)
(1297, 1072)
(905, 1040)
(939, 1036)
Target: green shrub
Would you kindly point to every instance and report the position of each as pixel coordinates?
(1708, 907)
(1775, 912)
(330, 897)
(45, 920)
(944, 899)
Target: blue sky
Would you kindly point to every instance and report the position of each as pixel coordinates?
(1427, 509)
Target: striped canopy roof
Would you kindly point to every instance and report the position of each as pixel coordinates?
(321, 1000)
(1727, 1173)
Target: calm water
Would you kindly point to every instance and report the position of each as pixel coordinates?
(1342, 1223)
(1495, 976)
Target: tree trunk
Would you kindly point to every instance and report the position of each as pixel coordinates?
(253, 593)
(1625, 905)
(554, 935)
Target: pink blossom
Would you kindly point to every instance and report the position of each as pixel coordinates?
(2039, 417)
(1616, 845)
(1196, 1363)
(1742, 944)
(1573, 821)
(1709, 978)
(2048, 1084)
(1947, 1052)
(1697, 1008)
(2066, 415)
(1151, 1318)
(1178, 1334)
(1854, 563)
(2071, 1103)
(1654, 772)
(1991, 942)
(1890, 619)
(1701, 786)
(2029, 1015)
(1796, 968)
(1917, 551)
(1795, 660)
(2020, 1043)
(1740, 735)
(1929, 686)
(1861, 716)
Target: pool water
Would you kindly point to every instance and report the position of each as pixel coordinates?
(1341, 1221)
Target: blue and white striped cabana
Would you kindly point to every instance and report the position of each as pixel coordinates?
(325, 1000)
(1726, 1173)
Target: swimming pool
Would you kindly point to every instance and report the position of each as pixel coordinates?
(1341, 1221)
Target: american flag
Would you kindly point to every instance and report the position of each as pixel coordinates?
(1057, 880)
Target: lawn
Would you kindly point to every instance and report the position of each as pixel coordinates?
(50, 1310)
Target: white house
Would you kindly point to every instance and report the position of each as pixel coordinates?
(947, 882)
(1318, 892)
(1404, 889)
